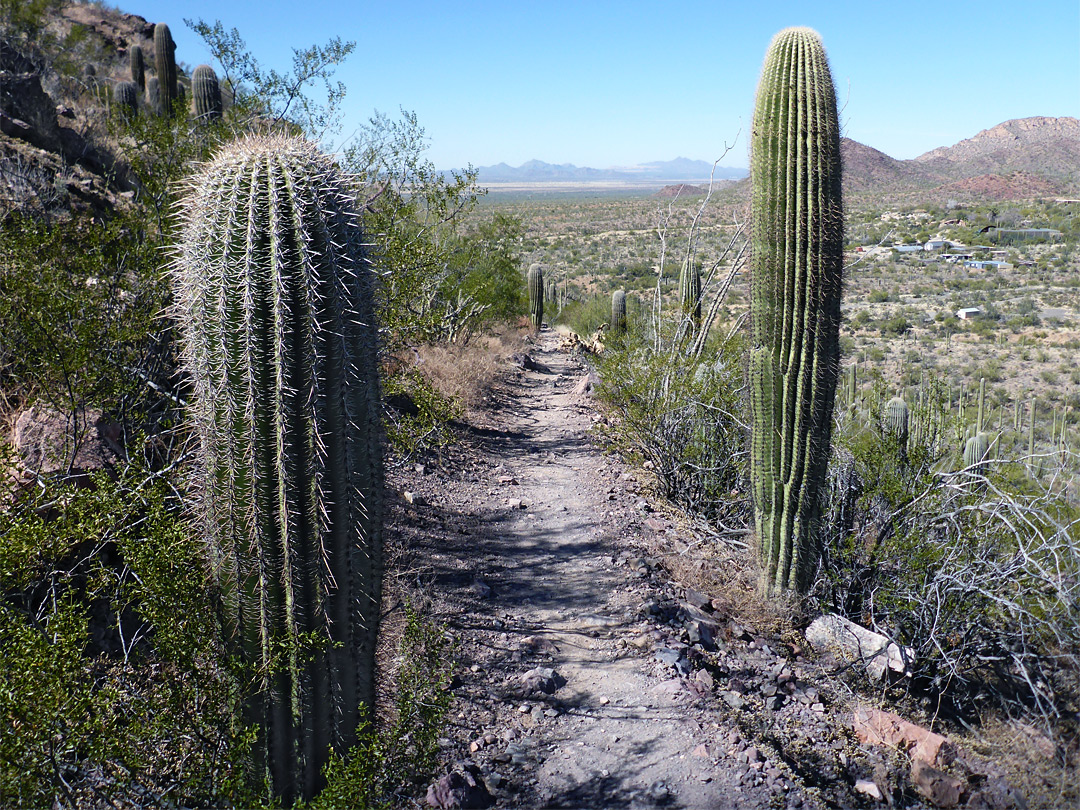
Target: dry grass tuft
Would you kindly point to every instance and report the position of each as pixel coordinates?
(466, 373)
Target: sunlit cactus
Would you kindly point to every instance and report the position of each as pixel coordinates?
(275, 299)
(896, 420)
(796, 273)
(618, 312)
(165, 64)
(536, 296)
(690, 292)
(206, 93)
(137, 63)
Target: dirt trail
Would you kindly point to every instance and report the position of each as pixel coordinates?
(586, 677)
(528, 546)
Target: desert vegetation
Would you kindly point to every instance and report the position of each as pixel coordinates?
(215, 340)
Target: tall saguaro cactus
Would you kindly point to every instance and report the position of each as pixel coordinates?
(535, 278)
(690, 292)
(796, 272)
(276, 304)
(165, 64)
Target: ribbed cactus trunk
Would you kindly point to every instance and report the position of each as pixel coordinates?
(153, 95)
(206, 93)
(126, 95)
(690, 292)
(896, 422)
(137, 63)
(276, 304)
(536, 296)
(796, 271)
(618, 312)
(165, 64)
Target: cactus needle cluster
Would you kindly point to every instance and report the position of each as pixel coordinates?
(276, 307)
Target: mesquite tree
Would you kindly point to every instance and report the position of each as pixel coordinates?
(276, 307)
(796, 271)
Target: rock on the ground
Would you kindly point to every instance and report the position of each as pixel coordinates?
(461, 789)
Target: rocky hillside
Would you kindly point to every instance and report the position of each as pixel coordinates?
(55, 153)
(1040, 146)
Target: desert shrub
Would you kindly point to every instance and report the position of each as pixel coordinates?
(684, 417)
(977, 572)
(388, 765)
(113, 689)
(417, 414)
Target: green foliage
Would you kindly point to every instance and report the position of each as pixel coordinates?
(276, 305)
(979, 582)
(388, 763)
(25, 20)
(112, 663)
(278, 98)
(418, 416)
(686, 421)
(796, 271)
(78, 311)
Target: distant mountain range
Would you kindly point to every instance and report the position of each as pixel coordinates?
(1022, 158)
(537, 171)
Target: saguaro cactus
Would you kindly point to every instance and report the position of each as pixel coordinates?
(536, 296)
(153, 95)
(276, 303)
(896, 420)
(206, 93)
(975, 450)
(618, 312)
(796, 272)
(126, 95)
(690, 291)
(165, 64)
(137, 63)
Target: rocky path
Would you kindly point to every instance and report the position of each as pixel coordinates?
(586, 679)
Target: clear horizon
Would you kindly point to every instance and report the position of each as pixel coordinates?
(606, 84)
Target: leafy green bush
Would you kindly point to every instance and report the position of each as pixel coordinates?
(113, 688)
(685, 418)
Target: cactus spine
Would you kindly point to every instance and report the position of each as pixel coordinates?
(618, 312)
(126, 95)
(165, 64)
(206, 93)
(796, 273)
(276, 304)
(137, 63)
(536, 296)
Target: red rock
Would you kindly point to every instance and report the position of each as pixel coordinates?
(884, 728)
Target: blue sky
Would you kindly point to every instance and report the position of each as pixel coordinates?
(619, 83)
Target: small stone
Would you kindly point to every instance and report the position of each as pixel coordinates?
(868, 788)
(702, 751)
(481, 589)
(698, 599)
(420, 468)
(413, 498)
(507, 479)
(733, 699)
